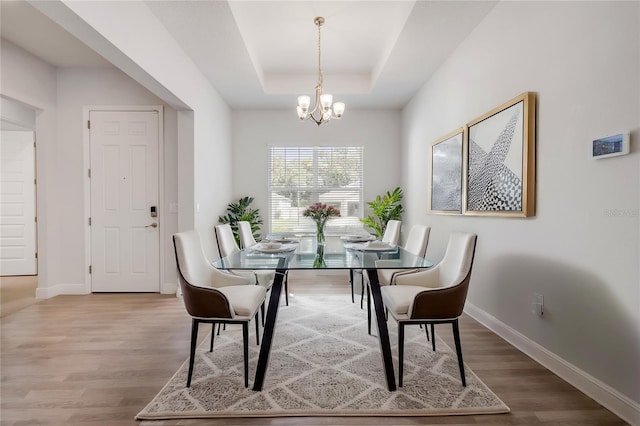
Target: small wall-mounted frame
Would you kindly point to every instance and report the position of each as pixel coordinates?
(611, 146)
(500, 160)
(446, 174)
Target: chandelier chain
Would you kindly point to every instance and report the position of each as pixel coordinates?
(319, 67)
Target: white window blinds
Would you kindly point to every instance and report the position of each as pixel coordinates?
(301, 176)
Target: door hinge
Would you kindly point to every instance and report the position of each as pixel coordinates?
(90, 269)
(88, 124)
(89, 173)
(36, 255)
(35, 219)
(89, 221)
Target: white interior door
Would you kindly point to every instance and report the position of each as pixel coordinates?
(17, 203)
(125, 250)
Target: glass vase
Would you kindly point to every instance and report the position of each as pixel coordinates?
(320, 232)
(318, 262)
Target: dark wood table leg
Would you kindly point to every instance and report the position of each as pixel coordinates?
(269, 327)
(383, 331)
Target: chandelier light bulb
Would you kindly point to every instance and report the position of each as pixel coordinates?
(338, 109)
(326, 100)
(302, 114)
(304, 102)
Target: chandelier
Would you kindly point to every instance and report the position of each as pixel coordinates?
(324, 109)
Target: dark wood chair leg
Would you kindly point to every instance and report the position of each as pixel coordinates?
(400, 352)
(368, 311)
(192, 352)
(213, 328)
(353, 299)
(456, 338)
(362, 292)
(286, 288)
(262, 313)
(433, 337)
(255, 317)
(245, 342)
(426, 330)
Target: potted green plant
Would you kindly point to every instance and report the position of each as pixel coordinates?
(384, 208)
(240, 211)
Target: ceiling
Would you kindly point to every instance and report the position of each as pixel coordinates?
(262, 54)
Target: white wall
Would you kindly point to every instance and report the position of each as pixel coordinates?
(378, 131)
(581, 250)
(79, 88)
(123, 32)
(31, 81)
(60, 95)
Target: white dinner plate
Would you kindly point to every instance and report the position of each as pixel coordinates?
(282, 249)
(356, 238)
(365, 247)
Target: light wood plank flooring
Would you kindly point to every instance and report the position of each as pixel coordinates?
(99, 359)
(17, 293)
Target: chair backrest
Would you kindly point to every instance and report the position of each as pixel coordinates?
(418, 239)
(392, 232)
(194, 266)
(194, 274)
(226, 242)
(246, 235)
(447, 302)
(458, 258)
(191, 260)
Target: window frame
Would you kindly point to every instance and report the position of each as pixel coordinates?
(339, 157)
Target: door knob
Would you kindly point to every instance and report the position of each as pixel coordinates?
(153, 225)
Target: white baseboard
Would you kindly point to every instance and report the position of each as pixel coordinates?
(76, 289)
(602, 393)
(56, 290)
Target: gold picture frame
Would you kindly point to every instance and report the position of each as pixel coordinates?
(445, 196)
(500, 161)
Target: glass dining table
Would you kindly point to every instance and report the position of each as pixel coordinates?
(337, 253)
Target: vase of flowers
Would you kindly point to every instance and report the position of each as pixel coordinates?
(320, 213)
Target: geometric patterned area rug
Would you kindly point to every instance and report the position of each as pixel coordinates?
(322, 363)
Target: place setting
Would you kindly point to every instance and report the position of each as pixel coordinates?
(271, 247)
(375, 245)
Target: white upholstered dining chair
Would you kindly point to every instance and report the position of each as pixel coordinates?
(416, 243)
(227, 246)
(390, 236)
(214, 297)
(433, 296)
(245, 233)
(247, 240)
(392, 232)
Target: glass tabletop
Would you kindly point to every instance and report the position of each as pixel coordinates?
(337, 253)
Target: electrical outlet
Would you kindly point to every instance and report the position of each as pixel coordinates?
(537, 306)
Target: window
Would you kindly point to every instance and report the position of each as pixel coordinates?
(301, 176)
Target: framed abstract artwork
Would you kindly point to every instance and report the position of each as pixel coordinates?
(446, 174)
(500, 160)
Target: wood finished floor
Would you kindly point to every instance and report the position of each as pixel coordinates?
(99, 359)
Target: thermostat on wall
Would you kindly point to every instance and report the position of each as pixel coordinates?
(611, 146)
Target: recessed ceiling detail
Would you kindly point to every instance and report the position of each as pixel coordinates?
(358, 38)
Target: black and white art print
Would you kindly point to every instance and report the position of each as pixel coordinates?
(446, 174)
(500, 160)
